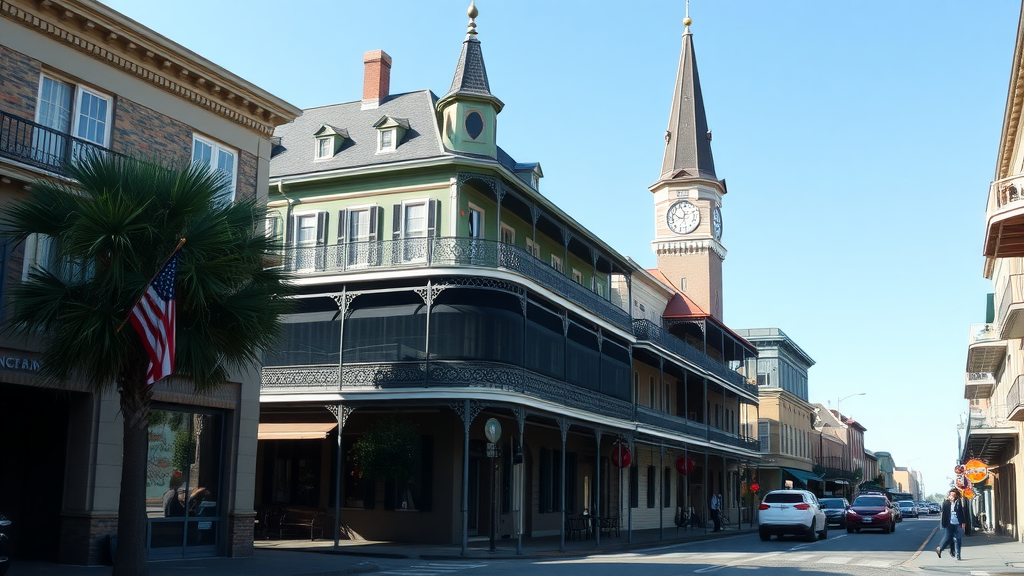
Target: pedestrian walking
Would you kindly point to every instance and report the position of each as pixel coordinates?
(716, 511)
(954, 520)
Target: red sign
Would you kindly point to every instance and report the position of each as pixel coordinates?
(621, 456)
(755, 487)
(975, 470)
(684, 465)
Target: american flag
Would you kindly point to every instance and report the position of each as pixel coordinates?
(153, 318)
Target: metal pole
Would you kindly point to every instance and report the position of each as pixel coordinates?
(597, 490)
(494, 497)
(338, 468)
(465, 479)
(561, 544)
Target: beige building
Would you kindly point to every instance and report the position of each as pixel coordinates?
(787, 439)
(995, 359)
(76, 77)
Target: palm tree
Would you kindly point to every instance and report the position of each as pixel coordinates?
(109, 232)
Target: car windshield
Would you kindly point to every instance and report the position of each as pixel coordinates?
(906, 504)
(869, 501)
(832, 503)
(783, 498)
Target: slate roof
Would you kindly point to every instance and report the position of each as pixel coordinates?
(471, 75)
(296, 152)
(688, 151)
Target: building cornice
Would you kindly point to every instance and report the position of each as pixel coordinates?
(689, 247)
(104, 34)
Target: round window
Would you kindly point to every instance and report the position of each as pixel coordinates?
(474, 124)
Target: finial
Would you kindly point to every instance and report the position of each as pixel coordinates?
(687, 21)
(472, 12)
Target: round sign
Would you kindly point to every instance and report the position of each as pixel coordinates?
(755, 487)
(975, 470)
(968, 493)
(959, 469)
(962, 483)
(621, 457)
(492, 429)
(684, 465)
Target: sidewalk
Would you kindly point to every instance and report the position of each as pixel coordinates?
(321, 558)
(982, 553)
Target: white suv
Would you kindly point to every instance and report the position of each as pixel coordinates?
(791, 512)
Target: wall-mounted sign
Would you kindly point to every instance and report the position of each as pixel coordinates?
(975, 470)
(18, 362)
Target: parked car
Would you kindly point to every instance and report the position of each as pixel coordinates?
(791, 512)
(835, 510)
(896, 511)
(908, 509)
(5, 544)
(871, 511)
(934, 508)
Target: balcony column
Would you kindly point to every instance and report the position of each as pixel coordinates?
(597, 487)
(706, 488)
(566, 238)
(534, 215)
(344, 302)
(661, 493)
(520, 414)
(467, 410)
(563, 426)
(600, 359)
(706, 418)
(593, 262)
(499, 193)
(629, 495)
(661, 383)
(565, 345)
(342, 412)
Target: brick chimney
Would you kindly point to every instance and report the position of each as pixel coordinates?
(376, 78)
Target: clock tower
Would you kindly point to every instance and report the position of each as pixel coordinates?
(688, 196)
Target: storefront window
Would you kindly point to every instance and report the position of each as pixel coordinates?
(183, 482)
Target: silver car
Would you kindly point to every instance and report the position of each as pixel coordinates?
(791, 512)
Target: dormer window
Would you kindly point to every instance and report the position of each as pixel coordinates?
(329, 141)
(390, 133)
(530, 172)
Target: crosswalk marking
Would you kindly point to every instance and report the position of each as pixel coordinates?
(873, 564)
(835, 560)
(431, 569)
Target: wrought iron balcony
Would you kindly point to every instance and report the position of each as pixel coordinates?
(41, 147)
(356, 257)
(979, 385)
(1014, 402)
(1010, 308)
(651, 332)
(985, 349)
(1004, 215)
(439, 374)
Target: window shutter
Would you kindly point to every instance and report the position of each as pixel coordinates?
(396, 223)
(376, 216)
(342, 219)
(433, 217)
(321, 228)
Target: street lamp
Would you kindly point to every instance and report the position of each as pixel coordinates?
(849, 437)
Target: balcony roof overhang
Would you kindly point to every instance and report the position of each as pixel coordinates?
(1004, 235)
(991, 445)
(986, 356)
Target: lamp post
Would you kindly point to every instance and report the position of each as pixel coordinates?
(839, 415)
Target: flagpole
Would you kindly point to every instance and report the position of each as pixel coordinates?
(181, 243)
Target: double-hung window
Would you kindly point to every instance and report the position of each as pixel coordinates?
(533, 247)
(67, 110)
(414, 231)
(218, 157)
(556, 263)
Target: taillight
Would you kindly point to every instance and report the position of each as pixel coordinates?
(763, 507)
(802, 506)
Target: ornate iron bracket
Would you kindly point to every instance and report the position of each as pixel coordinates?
(474, 410)
(346, 411)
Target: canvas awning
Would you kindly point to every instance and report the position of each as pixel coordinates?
(295, 430)
(802, 475)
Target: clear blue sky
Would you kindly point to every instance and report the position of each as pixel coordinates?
(858, 140)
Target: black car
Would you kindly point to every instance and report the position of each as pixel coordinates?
(835, 510)
(5, 544)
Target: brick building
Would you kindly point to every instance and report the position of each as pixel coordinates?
(77, 76)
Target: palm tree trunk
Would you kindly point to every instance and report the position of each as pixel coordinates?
(130, 558)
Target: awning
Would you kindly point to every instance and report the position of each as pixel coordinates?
(802, 475)
(295, 430)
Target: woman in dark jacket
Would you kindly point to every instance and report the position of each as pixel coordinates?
(954, 520)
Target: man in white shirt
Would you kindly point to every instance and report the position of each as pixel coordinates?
(716, 511)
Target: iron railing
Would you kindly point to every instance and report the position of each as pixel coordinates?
(36, 145)
(353, 257)
(651, 332)
(438, 373)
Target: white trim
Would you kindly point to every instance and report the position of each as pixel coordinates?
(317, 157)
(504, 228)
(381, 149)
(218, 149)
(77, 114)
(576, 273)
(483, 221)
(560, 265)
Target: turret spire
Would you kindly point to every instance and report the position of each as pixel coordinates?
(688, 140)
(470, 73)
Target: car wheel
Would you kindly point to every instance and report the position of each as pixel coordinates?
(824, 532)
(850, 530)
(893, 528)
(764, 534)
(811, 534)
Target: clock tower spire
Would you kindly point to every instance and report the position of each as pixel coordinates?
(688, 196)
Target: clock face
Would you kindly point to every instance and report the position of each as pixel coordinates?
(683, 217)
(716, 223)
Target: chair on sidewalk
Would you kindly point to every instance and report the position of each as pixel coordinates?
(608, 525)
(575, 528)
